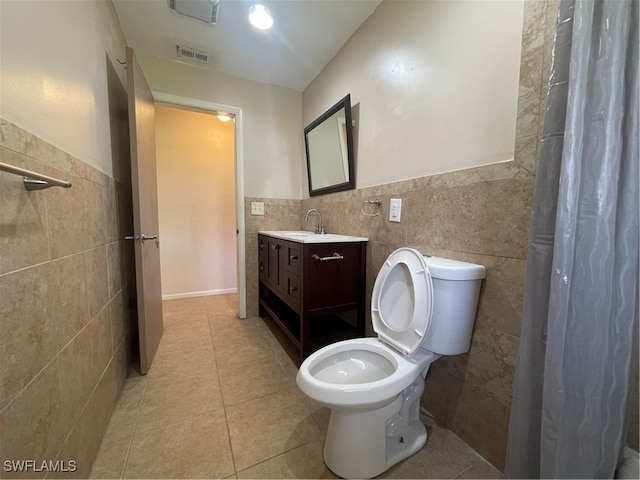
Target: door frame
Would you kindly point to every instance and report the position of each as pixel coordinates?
(211, 107)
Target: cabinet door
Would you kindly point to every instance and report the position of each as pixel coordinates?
(263, 265)
(273, 263)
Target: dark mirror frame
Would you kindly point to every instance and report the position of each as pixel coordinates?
(351, 183)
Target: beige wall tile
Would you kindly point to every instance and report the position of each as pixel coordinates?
(82, 363)
(533, 26)
(490, 218)
(490, 364)
(115, 268)
(83, 442)
(67, 302)
(482, 423)
(526, 153)
(118, 316)
(40, 313)
(97, 280)
(66, 217)
(52, 283)
(94, 232)
(440, 390)
(27, 335)
(32, 425)
(23, 218)
(529, 94)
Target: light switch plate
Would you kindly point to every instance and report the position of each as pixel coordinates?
(257, 208)
(395, 209)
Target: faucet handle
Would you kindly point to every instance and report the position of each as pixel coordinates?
(322, 229)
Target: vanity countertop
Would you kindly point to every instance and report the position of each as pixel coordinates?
(302, 236)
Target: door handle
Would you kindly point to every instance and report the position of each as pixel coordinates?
(142, 237)
(318, 258)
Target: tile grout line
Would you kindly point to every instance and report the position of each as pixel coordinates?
(135, 427)
(224, 408)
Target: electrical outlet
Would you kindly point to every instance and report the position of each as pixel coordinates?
(257, 208)
(395, 209)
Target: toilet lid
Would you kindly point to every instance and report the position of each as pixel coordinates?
(401, 301)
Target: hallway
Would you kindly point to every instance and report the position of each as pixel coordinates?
(221, 401)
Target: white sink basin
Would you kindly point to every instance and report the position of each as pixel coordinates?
(302, 236)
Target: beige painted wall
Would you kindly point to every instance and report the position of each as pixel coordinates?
(54, 80)
(272, 132)
(434, 84)
(196, 203)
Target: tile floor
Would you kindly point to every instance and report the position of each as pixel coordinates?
(221, 401)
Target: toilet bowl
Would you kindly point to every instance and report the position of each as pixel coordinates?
(421, 308)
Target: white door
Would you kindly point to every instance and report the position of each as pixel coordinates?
(145, 211)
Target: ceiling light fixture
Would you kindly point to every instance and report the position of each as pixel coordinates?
(260, 17)
(223, 117)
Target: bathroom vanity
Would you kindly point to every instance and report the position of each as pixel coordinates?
(313, 286)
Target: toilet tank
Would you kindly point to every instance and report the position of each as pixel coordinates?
(456, 288)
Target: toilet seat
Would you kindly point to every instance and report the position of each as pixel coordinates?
(401, 302)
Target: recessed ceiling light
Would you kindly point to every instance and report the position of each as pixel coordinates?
(260, 17)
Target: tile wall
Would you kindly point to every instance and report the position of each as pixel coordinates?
(65, 310)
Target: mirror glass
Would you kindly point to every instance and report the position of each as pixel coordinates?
(329, 145)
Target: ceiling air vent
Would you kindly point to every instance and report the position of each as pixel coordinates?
(193, 54)
(205, 10)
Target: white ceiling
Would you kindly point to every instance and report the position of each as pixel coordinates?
(306, 34)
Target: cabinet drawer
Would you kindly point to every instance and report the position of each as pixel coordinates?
(332, 282)
(262, 268)
(262, 246)
(293, 289)
(293, 257)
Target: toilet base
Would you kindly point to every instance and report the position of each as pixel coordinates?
(360, 444)
(400, 448)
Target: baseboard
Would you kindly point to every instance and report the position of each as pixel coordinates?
(221, 291)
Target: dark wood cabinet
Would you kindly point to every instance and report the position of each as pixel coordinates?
(315, 292)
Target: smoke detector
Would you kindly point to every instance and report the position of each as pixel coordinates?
(204, 10)
(195, 55)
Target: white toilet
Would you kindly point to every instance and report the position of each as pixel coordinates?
(421, 308)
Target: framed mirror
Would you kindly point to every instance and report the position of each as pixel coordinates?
(329, 144)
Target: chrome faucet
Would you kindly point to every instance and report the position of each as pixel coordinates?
(320, 227)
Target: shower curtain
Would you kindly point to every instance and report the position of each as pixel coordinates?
(580, 313)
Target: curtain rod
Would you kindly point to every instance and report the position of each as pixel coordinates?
(34, 181)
